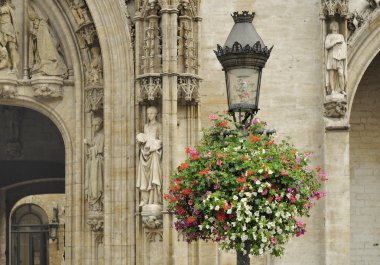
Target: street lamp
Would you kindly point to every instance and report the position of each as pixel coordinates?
(243, 57)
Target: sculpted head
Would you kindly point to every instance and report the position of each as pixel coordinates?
(334, 27)
(152, 113)
(97, 122)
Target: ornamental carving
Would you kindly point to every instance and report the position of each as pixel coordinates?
(151, 58)
(94, 98)
(154, 236)
(150, 88)
(331, 8)
(8, 90)
(335, 108)
(186, 50)
(47, 87)
(152, 222)
(188, 88)
(80, 11)
(96, 222)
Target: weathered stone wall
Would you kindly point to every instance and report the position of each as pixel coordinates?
(365, 169)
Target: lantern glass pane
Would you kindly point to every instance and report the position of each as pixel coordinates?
(242, 89)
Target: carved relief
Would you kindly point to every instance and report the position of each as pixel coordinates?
(151, 88)
(96, 222)
(152, 222)
(149, 172)
(335, 108)
(94, 172)
(94, 70)
(45, 58)
(80, 11)
(94, 99)
(354, 21)
(8, 38)
(186, 49)
(188, 88)
(47, 87)
(332, 7)
(8, 90)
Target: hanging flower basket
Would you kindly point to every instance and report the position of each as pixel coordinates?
(241, 188)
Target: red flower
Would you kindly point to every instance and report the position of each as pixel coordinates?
(242, 179)
(221, 216)
(269, 143)
(318, 168)
(166, 196)
(183, 166)
(223, 124)
(194, 157)
(190, 220)
(254, 139)
(204, 172)
(270, 199)
(324, 179)
(186, 191)
(249, 173)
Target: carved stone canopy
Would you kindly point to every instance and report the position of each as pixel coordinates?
(331, 8)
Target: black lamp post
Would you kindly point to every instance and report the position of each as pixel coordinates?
(243, 57)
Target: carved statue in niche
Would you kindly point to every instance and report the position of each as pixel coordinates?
(149, 173)
(44, 51)
(336, 60)
(8, 35)
(95, 69)
(94, 179)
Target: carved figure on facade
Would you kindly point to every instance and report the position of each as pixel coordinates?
(8, 35)
(149, 172)
(45, 58)
(152, 222)
(94, 69)
(354, 21)
(335, 109)
(336, 47)
(94, 172)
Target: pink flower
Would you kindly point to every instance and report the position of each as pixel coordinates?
(300, 223)
(298, 160)
(255, 121)
(219, 162)
(300, 233)
(308, 169)
(273, 240)
(212, 117)
(265, 192)
(284, 173)
(208, 154)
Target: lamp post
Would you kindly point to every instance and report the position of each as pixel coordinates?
(243, 57)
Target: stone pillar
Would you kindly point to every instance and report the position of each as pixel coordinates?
(337, 201)
(169, 114)
(3, 228)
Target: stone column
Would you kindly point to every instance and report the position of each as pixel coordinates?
(169, 114)
(3, 228)
(337, 201)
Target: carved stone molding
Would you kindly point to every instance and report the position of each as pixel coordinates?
(153, 236)
(335, 106)
(331, 8)
(150, 87)
(87, 35)
(94, 98)
(358, 22)
(152, 216)
(8, 87)
(96, 221)
(188, 88)
(47, 87)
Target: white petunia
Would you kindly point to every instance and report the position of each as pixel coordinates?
(217, 208)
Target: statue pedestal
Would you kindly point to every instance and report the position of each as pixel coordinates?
(152, 216)
(8, 84)
(335, 105)
(48, 87)
(96, 221)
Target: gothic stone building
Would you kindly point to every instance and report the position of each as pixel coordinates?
(78, 80)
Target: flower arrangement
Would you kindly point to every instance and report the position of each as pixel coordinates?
(240, 186)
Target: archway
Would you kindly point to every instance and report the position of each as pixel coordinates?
(365, 167)
(32, 159)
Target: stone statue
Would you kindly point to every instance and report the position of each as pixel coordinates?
(94, 180)
(95, 69)
(45, 58)
(8, 38)
(149, 173)
(336, 60)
